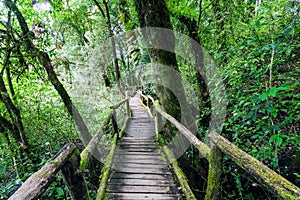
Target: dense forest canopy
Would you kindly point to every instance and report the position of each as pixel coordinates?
(63, 65)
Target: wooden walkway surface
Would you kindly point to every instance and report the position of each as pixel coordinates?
(140, 169)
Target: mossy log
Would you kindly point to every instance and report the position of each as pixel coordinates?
(91, 148)
(38, 182)
(214, 174)
(203, 148)
(105, 172)
(119, 104)
(74, 179)
(179, 174)
(278, 185)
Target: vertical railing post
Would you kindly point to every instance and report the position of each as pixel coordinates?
(158, 121)
(147, 102)
(214, 174)
(114, 122)
(74, 179)
(127, 104)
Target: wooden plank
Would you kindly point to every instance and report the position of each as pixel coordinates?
(144, 171)
(139, 165)
(138, 146)
(144, 189)
(135, 156)
(139, 142)
(142, 182)
(139, 169)
(120, 175)
(145, 140)
(140, 196)
(139, 151)
(152, 162)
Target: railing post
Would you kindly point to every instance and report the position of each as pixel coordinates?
(74, 179)
(114, 121)
(147, 102)
(158, 121)
(214, 173)
(127, 104)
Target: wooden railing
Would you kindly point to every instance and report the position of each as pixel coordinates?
(274, 182)
(71, 163)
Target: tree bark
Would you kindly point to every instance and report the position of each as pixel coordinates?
(156, 15)
(10, 85)
(192, 27)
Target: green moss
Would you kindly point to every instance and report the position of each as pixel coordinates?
(84, 158)
(43, 174)
(53, 161)
(214, 174)
(105, 172)
(180, 175)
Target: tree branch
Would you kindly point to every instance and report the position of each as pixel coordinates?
(100, 8)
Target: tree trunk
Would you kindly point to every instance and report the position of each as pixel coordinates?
(192, 27)
(11, 88)
(7, 125)
(16, 117)
(45, 61)
(156, 15)
(106, 15)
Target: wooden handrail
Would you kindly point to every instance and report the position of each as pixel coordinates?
(38, 182)
(274, 182)
(84, 155)
(278, 185)
(203, 148)
(107, 167)
(116, 106)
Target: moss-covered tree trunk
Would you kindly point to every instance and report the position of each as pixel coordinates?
(156, 15)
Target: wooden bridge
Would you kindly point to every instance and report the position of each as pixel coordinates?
(137, 167)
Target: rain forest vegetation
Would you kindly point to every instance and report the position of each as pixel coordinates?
(46, 47)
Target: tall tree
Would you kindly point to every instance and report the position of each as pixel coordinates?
(45, 61)
(157, 15)
(106, 15)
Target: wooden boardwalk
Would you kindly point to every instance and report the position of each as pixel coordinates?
(140, 169)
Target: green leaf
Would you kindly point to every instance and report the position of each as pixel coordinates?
(276, 128)
(263, 96)
(276, 138)
(273, 91)
(60, 192)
